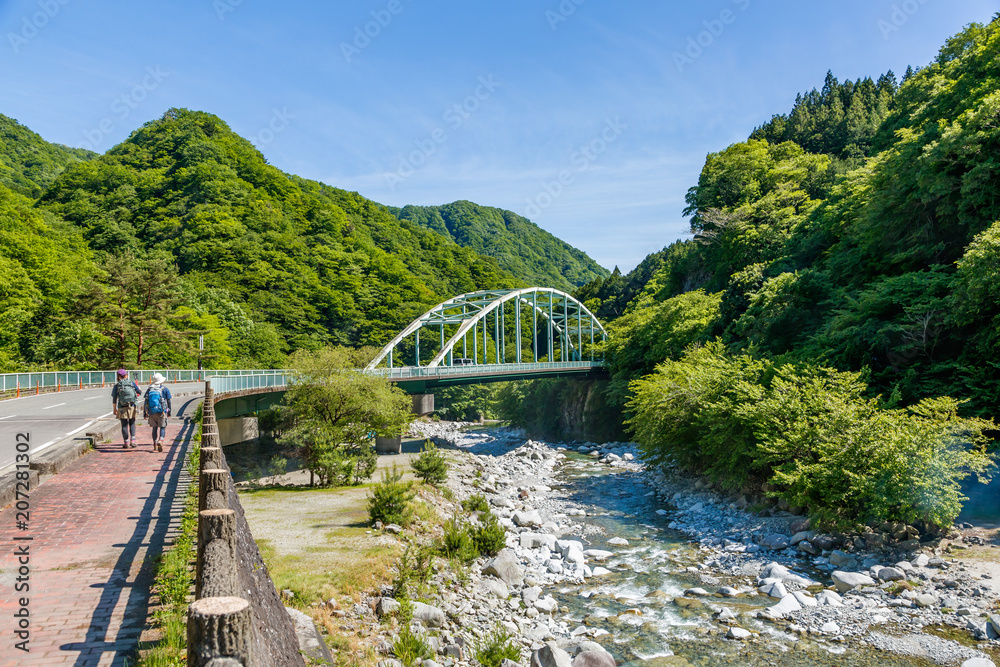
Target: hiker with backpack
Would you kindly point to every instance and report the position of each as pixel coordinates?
(124, 397)
(156, 409)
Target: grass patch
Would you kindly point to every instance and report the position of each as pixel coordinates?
(174, 578)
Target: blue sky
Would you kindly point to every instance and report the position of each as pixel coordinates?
(592, 118)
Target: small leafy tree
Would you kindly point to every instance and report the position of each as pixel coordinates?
(457, 541)
(337, 411)
(431, 466)
(389, 501)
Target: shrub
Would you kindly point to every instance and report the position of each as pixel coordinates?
(812, 434)
(457, 542)
(495, 647)
(489, 536)
(411, 648)
(389, 501)
(431, 466)
(476, 503)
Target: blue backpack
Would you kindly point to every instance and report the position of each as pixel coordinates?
(154, 400)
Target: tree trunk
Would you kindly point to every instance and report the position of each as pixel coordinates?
(219, 628)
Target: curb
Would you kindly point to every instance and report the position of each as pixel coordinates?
(60, 455)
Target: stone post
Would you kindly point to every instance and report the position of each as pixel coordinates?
(213, 491)
(211, 458)
(219, 631)
(216, 563)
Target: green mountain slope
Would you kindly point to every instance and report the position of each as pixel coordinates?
(518, 245)
(28, 163)
(880, 251)
(184, 229)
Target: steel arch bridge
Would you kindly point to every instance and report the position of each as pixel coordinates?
(533, 325)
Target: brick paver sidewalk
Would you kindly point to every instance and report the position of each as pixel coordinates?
(96, 528)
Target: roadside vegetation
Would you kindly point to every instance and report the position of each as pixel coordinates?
(175, 576)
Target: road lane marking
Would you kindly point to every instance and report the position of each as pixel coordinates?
(53, 406)
(92, 398)
(55, 440)
(7, 417)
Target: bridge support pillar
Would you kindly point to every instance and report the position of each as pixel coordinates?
(389, 445)
(423, 404)
(237, 429)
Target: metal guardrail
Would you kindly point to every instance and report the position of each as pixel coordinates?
(237, 383)
(265, 379)
(224, 381)
(407, 372)
(25, 382)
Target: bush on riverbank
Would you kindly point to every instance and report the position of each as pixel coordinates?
(811, 434)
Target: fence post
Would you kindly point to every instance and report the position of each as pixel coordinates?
(213, 491)
(219, 629)
(216, 563)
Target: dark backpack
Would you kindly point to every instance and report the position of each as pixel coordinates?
(126, 394)
(154, 400)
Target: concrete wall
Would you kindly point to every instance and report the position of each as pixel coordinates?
(237, 429)
(423, 404)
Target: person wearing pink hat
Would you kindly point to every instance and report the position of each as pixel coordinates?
(156, 409)
(124, 397)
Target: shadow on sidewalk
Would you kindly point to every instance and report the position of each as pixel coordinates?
(169, 488)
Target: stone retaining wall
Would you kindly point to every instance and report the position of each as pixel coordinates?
(230, 570)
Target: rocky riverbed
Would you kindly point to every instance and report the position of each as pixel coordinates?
(610, 561)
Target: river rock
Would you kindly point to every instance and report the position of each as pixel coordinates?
(547, 604)
(738, 633)
(845, 581)
(618, 542)
(784, 575)
(530, 594)
(593, 659)
(978, 662)
(830, 628)
(564, 547)
(551, 655)
(774, 590)
(506, 568)
(920, 560)
(728, 591)
(598, 554)
(697, 592)
(430, 616)
(386, 607)
(497, 587)
(530, 519)
(774, 541)
(575, 555)
(890, 574)
(839, 558)
(925, 600)
(829, 599)
(786, 605)
(537, 540)
(805, 599)
(600, 571)
(994, 623)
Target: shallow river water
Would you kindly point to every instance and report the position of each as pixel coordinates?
(645, 626)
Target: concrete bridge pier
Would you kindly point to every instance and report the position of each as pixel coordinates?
(423, 404)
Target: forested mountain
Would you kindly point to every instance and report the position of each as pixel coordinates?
(518, 245)
(831, 333)
(890, 267)
(28, 163)
(184, 229)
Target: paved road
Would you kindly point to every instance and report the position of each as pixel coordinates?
(49, 418)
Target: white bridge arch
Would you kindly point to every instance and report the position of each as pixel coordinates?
(569, 328)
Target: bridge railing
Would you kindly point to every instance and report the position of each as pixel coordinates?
(222, 384)
(75, 379)
(406, 372)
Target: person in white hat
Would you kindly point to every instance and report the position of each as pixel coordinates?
(156, 409)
